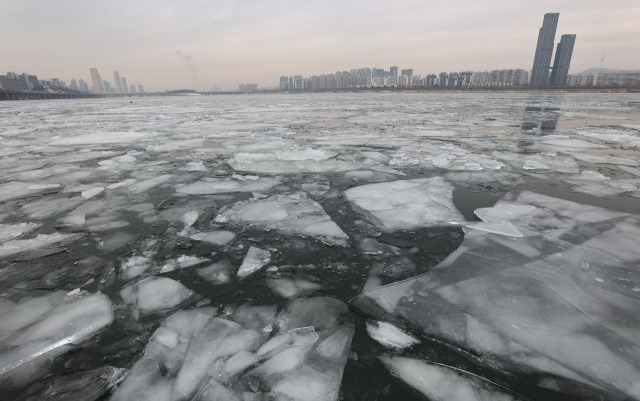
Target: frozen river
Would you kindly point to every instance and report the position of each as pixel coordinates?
(378, 246)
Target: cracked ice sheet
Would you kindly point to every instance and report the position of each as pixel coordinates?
(445, 156)
(559, 302)
(295, 353)
(289, 214)
(407, 204)
(36, 329)
(229, 185)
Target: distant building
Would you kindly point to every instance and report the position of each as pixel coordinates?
(562, 60)
(544, 49)
(116, 79)
(123, 85)
(248, 87)
(107, 87)
(618, 78)
(73, 85)
(95, 79)
(84, 87)
(140, 88)
(132, 89)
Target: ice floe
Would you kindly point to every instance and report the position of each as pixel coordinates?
(292, 214)
(557, 301)
(155, 294)
(253, 261)
(407, 204)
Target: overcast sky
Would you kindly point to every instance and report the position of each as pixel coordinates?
(200, 44)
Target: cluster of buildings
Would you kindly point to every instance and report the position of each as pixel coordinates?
(379, 78)
(104, 86)
(543, 72)
(12, 82)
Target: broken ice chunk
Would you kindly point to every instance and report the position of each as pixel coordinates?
(72, 220)
(290, 161)
(190, 218)
(214, 237)
(217, 273)
(134, 266)
(90, 193)
(227, 185)
(40, 241)
(253, 261)
(11, 231)
(516, 214)
(390, 336)
(143, 186)
(407, 204)
(501, 228)
(155, 294)
(289, 214)
(439, 382)
(292, 287)
(47, 326)
(181, 262)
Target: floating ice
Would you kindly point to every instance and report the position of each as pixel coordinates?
(134, 266)
(143, 186)
(439, 382)
(444, 156)
(155, 294)
(36, 329)
(291, 161)
(96, 138)
(40, 241)
(194, 354)
(228, 185)
(292, 287)
(11, 231)
(215, 237)
(253, 261)
(190, 218)
(564, 293)
(91, 192)
(406, 205)
(181, 262)
(390, 336)
(217, 273)
(289, 214)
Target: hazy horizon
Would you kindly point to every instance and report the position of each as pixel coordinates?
(165, 45)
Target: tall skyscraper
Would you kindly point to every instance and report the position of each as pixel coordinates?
(123, 85)
(116, 79)
(544, 49)
(562, 61)
(95, 79)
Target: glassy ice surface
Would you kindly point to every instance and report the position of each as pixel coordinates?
(207, 247)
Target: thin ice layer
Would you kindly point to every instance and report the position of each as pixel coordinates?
(292, 214)
(298, 353)
(559, 301)
(407, 204)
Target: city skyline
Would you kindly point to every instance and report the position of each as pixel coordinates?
(199, 45)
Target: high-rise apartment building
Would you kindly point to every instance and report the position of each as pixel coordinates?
(123, 85)
(544, 49)
(116, 79)
(95, 79)
(562, 60)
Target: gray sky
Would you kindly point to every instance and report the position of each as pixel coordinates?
(166, 44)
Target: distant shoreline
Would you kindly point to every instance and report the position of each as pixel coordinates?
(4, 95)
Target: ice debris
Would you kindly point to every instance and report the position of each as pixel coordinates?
(197, 355)
(390, 335)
